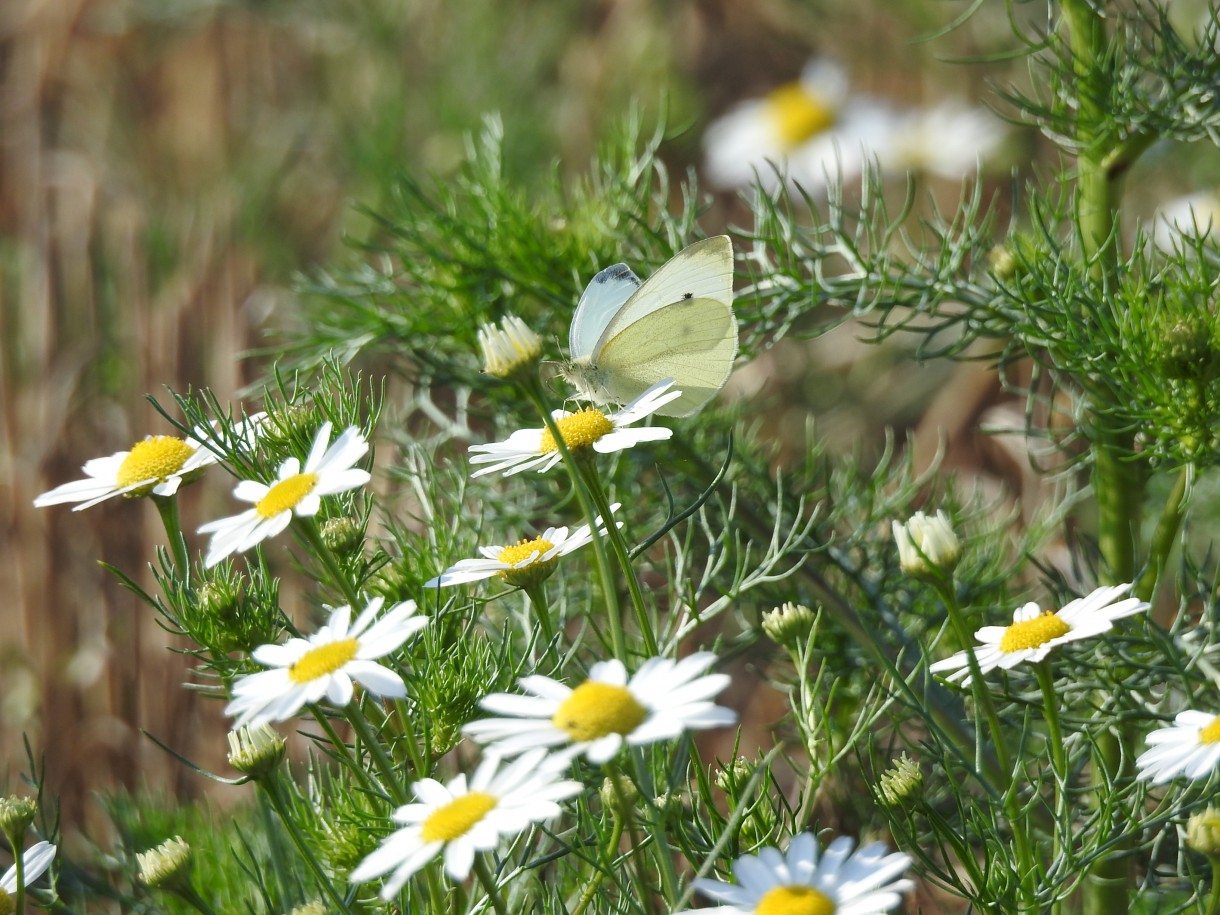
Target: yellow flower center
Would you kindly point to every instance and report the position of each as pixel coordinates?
(286, 495)
(1211, 733)
(596, 710)
(578, 430)
(7, 906)
(797, 115)
(323, 660)
(523, 549)
(456, 818)
(1033, 633)
(152, 461)
(794, 900)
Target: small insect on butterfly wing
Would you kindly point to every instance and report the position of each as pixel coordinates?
(606, 293)
(703, 270)
(696, 349)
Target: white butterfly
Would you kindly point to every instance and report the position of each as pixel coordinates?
(627, 335)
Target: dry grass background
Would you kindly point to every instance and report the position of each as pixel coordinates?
(165, 167)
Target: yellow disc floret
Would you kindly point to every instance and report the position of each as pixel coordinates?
(323, 660)
(286, 494)
(457, 817)
(7, 906)
(1033, 633)
(578, 430)
(794, 900)
(152, 461)
(523, 549)
(797, 115)
(532, 573)
(596, 710)
(1211, 733)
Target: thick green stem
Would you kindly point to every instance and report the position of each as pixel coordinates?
(167, 508)
(338, 579)
(489, 884)
(355, 715)
(271, 787)
(588, 894)
(19, 876)
(1166, 533)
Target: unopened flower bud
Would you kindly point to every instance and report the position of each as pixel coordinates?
(927, 546)
(167, 866)
(510, 349)
(256, 751)
(619, 794)
(16, 815)
(789, 625)
(734, 775)
(1203, 832)
(901, 783)
(343, 536)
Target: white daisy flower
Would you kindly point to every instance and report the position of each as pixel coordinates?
(34, 863)
(522, 564)
(662, 700)
(1035, 632)
(324, 665)
(590, 428)
(1192, 216)
(461, 819)
(863, 883)
(927, 545)
(948, 140)
(509, 348)
(747, 142)
(297, 490)
(1190, 746)
(156, 466)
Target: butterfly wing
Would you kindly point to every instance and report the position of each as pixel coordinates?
(703, 270)
(606, 293)
(692, 341)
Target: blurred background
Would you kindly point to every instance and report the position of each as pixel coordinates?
(169, 167)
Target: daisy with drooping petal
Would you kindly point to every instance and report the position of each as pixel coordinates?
(157, 466)
(461, 819)
(590, 428)
(523, 564)
(296, 491)
(1035, 632)
(839, 882)
(662, 700)
(34, 863)
(324, 665)
(1190, 746)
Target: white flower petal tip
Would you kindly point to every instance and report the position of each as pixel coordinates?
(303, 671)
(297, 491)
(661, 701)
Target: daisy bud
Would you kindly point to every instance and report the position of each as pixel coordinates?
(510, 349)
(901, 783)
(927, 546)
(16, 815)
(736, 774)
(310, 908)
(619, 794)
(789, 625)
(1203, 832)
(343, 536)
(256, 751)
(167, 866)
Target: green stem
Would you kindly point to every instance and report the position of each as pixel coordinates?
(1058, 751)
(542, 609)
(626, 810)
(271, 786)
(355, 715)
(18, 875)
(1166, 533)
(167, 508)
(338, 578)
(342, 748)
(191, 897)
(618, 642)
(489, 884)
(599, 875)
(623, 555)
